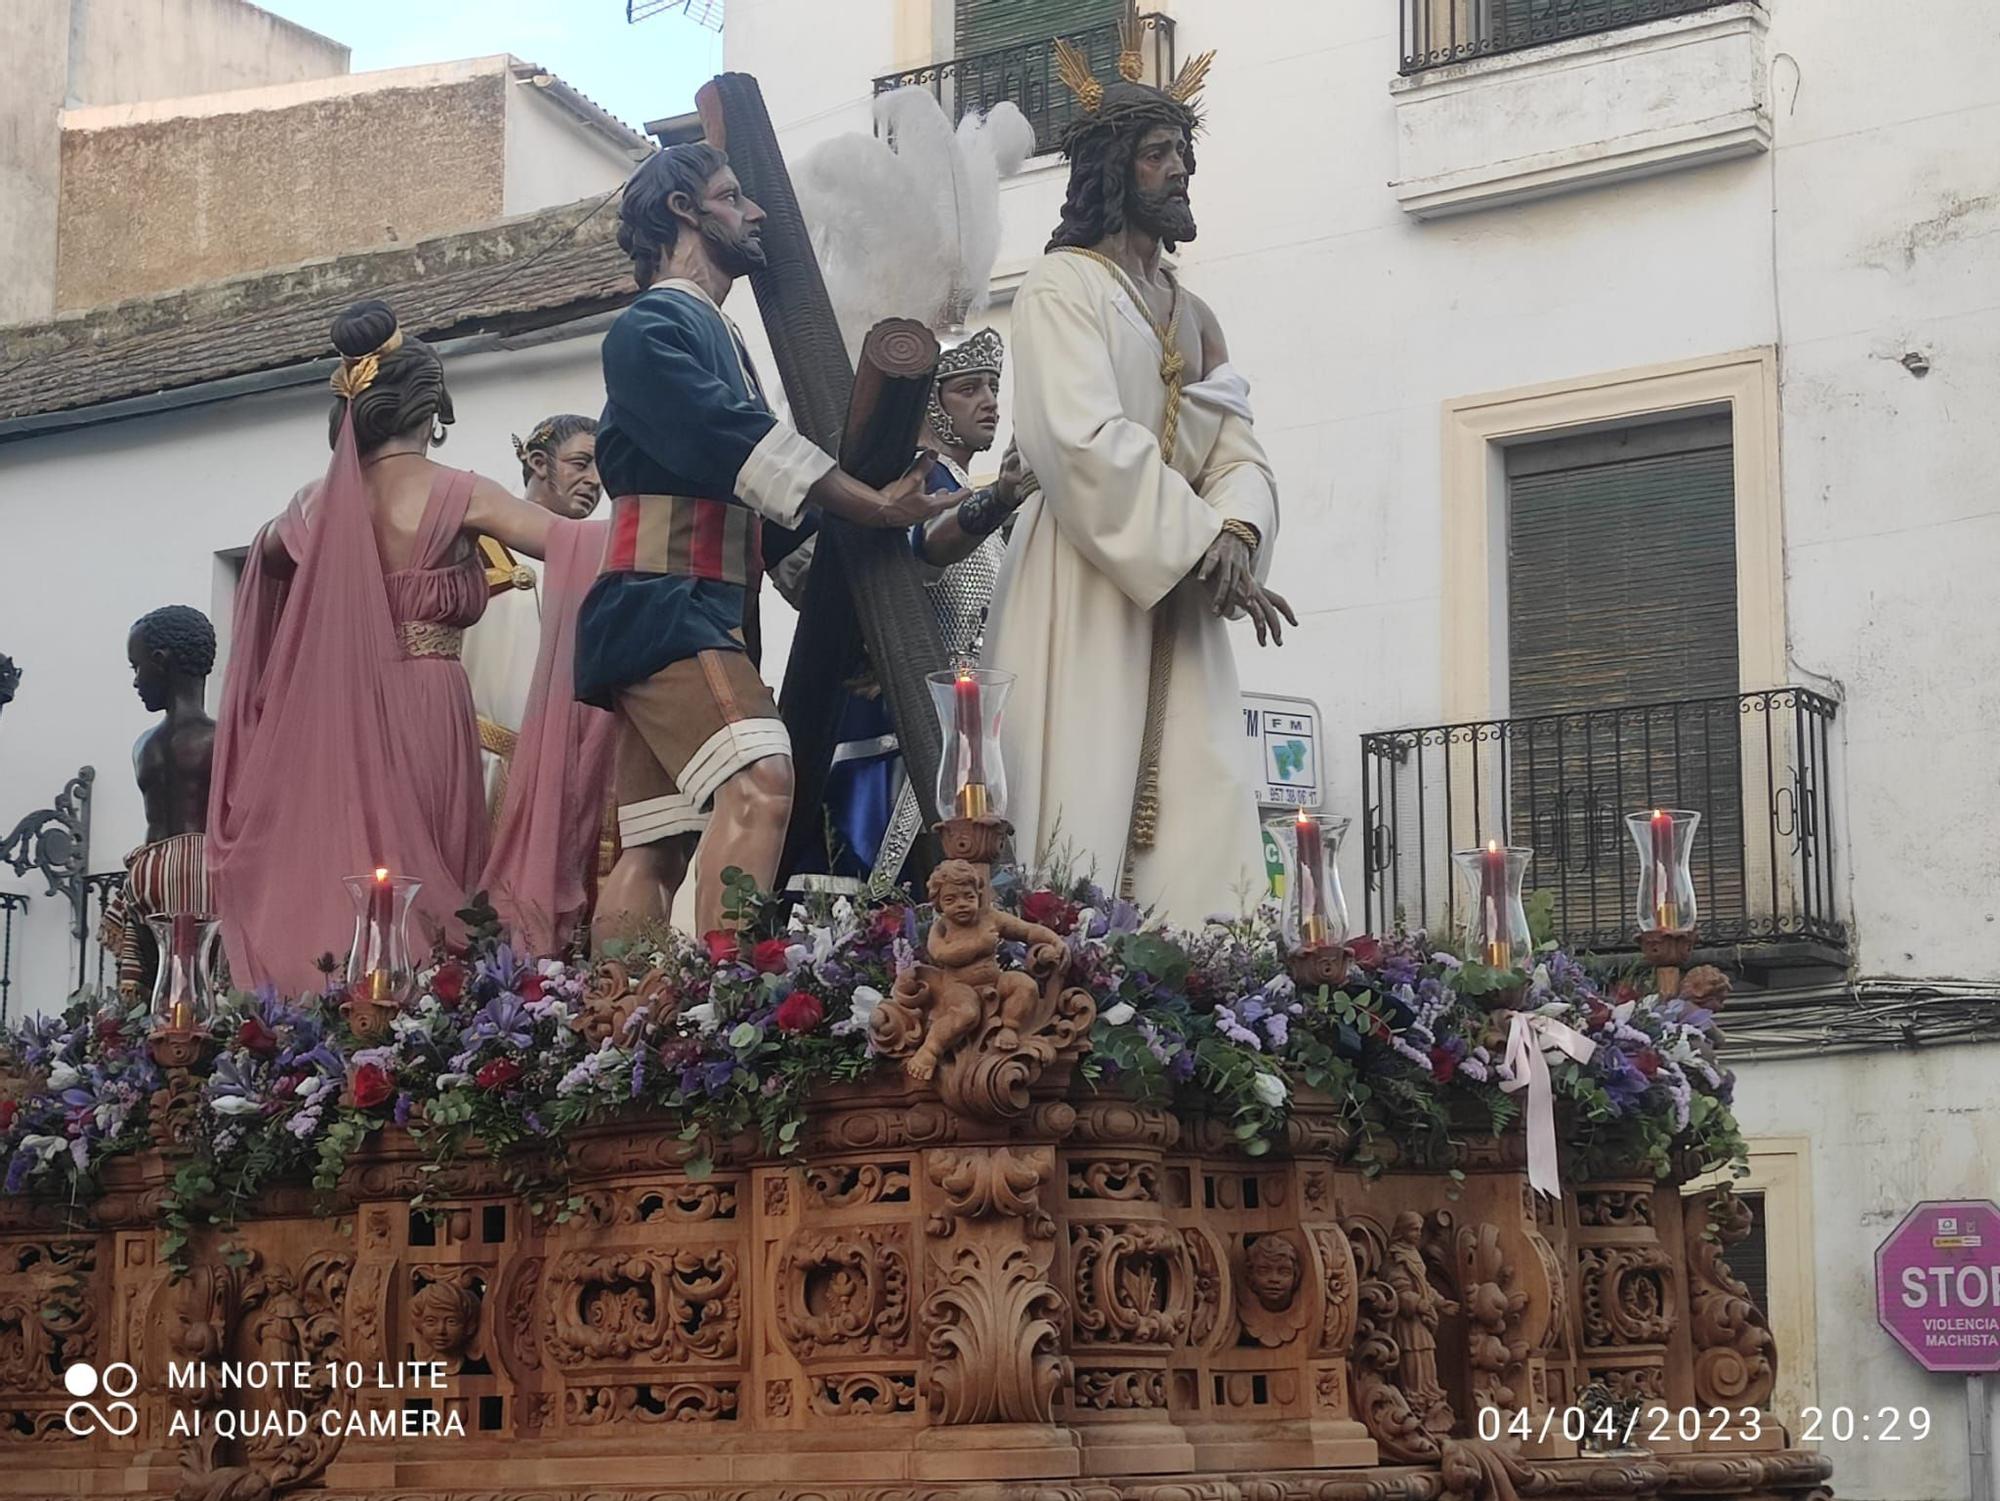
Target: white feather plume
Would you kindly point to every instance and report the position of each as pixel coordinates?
(906, 222)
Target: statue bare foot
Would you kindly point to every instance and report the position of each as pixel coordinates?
(1006, 1040)
(917, 1066)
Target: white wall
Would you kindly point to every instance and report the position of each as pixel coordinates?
(1887, 1130)
(551, 156)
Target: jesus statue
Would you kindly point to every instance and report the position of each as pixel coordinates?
(1154, 524)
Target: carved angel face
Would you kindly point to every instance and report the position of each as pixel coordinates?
(443, 1317)
(1272, 1269)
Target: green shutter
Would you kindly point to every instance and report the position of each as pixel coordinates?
(986, 24)
(1621, 591)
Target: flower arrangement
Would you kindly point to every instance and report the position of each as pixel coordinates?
(733, 1034)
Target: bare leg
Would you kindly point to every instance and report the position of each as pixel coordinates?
(747, 831)
(640, 889)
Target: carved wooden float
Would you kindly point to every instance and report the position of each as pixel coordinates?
(1074, 1297)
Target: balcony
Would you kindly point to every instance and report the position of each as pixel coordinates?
(1439, 32)
(1025, 74)
(1757, 767)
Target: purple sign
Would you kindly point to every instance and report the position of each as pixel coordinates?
(1937, 1285)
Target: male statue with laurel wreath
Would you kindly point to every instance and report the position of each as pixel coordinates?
(1155, 523)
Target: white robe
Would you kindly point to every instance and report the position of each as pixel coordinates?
(1113, 535)
(499, 659)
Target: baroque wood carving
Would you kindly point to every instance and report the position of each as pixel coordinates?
(1736, 1358)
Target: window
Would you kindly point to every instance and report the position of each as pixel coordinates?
(983, 25)
(1621, 597)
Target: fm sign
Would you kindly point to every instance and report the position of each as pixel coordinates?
(1937, 1285)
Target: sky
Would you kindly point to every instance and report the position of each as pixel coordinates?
(638, 72)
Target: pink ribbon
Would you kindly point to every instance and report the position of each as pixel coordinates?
(1529, 1037)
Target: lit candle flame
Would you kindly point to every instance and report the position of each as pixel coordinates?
(381, 875)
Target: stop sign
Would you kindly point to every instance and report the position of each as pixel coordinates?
(1937, 1285)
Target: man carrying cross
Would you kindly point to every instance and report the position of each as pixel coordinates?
(695, 461)
(1155, 522)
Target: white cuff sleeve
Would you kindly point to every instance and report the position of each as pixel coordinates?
(781, 468)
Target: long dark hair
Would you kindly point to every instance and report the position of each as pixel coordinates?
(408, 391)
(647, 228)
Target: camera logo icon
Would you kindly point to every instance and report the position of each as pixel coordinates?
(82, 1381)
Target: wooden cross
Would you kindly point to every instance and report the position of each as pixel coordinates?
(864, 587)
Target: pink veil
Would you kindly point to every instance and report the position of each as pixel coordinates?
(306, 787)
(560, 778)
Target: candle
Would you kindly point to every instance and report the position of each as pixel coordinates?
(180, 962)
(1666, 913)
(1493, 907)
(971, 749)
(1311, 893)
(381, 917)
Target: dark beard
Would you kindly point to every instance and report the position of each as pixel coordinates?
(734, 254)
(1163, 215)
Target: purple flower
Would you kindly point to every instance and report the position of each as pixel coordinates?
(1182, 1068)
(17, 1171)
(402, 1111)
(714, 1076)
(502, 1019)
(638, 1072)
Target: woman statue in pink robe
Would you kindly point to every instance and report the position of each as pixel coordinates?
(347, 740)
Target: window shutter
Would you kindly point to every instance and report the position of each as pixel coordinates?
(983, 25)
(1621, 568)
(1621, 591)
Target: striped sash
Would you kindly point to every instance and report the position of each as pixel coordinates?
(685, 535)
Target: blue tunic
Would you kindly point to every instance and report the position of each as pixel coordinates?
(683, 412)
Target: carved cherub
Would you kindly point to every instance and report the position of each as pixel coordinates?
(964, 977)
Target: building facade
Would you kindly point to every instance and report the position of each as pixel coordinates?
(1627, 369)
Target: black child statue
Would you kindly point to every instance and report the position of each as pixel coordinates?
(172, 652)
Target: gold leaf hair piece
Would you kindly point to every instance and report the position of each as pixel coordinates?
(1074, 70)
(1131, 51)
(356, 375)
(1188, 83)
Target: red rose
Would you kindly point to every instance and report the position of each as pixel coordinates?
(253, 1036)
(886, 926)
(110, 1030)
(1379, 1030)
(1600, 1016)
(1365, 951)
(1048, 910)
(497, 1074)
(1648, 1063)
(448, 984)
(1443, 1064)
(8, 1110)
(1625, 991)
(800, 1011)
(531, 988)
(370, 1085)
(722, 947)
(768, 957)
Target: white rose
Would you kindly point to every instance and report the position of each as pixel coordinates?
(233, 1104)
(866, 999)
(1540, 978)
(64, 1076)
(43, 1147)
(1118, 1015)
(1270, 1090)
(703, 1016)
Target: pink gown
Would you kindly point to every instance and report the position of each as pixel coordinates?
(559, 783)
(347, 739)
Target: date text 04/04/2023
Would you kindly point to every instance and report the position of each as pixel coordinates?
(1660, 1424)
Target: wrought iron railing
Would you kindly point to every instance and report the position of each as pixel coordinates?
(1437, 32)
(10, 903)
(1025, 75)
(1756, 766)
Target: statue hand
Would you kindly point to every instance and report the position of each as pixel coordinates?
(906, 502)
(1009, 489)
(1226, 569)
(1264, 607)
